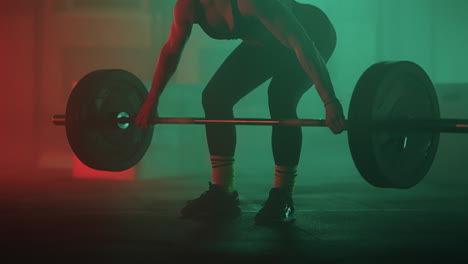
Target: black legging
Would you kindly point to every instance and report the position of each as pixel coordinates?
(246, 68)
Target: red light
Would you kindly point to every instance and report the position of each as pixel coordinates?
(81, 171)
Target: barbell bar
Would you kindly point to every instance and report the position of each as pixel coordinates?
(393, 122)
(440, 125)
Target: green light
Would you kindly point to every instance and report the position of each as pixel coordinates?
(123, 125)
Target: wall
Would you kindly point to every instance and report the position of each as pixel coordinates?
(77, 40)
(18, 25)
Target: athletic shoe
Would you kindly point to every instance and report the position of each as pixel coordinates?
(278, 209)
(214, 204)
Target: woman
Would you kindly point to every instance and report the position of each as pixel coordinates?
(282, 40)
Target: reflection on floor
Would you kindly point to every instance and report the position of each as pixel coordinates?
(91, 221)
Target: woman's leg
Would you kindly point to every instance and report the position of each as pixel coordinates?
(244, 70)
(287, 87)
(289, 84)
(285, 91)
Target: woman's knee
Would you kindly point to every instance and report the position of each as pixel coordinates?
(283, 102)
(215, 107)
(283, 111)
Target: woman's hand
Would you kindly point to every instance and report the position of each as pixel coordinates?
(334, 116)
(146, 115)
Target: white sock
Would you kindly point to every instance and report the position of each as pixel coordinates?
(285, 178)
(222, 172)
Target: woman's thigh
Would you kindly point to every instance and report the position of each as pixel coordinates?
(288, 85)
(246, 68)
(290, 81)
(319, 28)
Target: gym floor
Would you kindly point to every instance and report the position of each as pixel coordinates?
(68, 220)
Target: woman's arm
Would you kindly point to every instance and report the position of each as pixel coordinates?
(171, 52)
(168, 60)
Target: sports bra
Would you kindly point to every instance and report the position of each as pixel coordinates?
(240, 27)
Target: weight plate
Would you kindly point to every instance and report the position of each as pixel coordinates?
(392, 158)
(91, 127)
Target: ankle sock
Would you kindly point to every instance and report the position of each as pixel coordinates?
(222, 172)
(285, 178)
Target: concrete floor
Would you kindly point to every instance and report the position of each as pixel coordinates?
(68, 220)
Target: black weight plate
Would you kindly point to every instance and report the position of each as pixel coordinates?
(390, 158)
(91, 127)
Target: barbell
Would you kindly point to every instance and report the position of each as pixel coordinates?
(393, 122)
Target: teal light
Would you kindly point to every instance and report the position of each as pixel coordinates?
(123, 125)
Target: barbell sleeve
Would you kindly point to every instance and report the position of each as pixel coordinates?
(59, 120)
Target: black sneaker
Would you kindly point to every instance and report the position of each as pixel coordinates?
(214, 204)
(278, 209)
